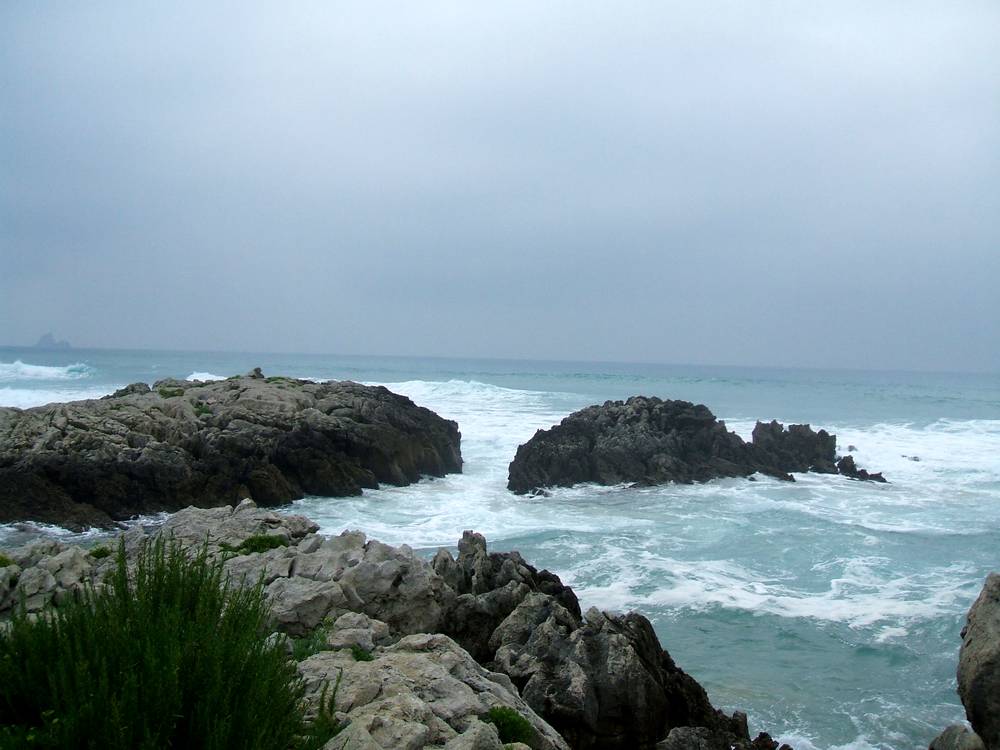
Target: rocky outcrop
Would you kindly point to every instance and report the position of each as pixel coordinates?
(423, 691)
(179, 443)
(601, 679)
(448, 639)
(957, 737)
(650, 441)
(979, 664)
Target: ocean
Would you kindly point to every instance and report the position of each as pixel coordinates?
(827, 609)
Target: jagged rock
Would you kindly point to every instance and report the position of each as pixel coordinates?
(979, 664)
(848, 468)
(957, 737)
(650, 441)
(693, 738)
(355, 629)
(603, 680)
(424, 691)
(91, 463)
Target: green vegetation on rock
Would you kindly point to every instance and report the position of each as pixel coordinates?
(170, 392)
(511, 726)
(165, 655)
(5, 561)
(361, 654)
(307, 645)
(100, 553)
(255, 543)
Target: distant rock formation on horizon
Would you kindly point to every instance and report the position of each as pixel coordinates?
(48, 341)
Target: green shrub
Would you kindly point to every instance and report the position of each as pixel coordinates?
(166, 655)
(511, 726)
(201, 408)
(5, 561)
(99, 553)
(361, 654)
(325, 726)
(307, 645)
(170, 392)
(255, 543)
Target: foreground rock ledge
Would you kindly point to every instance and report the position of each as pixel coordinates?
(142, 450)
(649, 441)
(450, 638)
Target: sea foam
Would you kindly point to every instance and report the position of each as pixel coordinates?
(18, 370)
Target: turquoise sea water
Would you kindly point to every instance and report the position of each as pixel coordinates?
(828, 609)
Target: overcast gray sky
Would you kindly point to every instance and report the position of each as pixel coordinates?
(794, 183)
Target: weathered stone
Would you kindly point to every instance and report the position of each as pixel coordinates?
(356, 629)
(299, 605)
(422, 692)
(91, 463)
(957, 737)
(979, 664)
(693, 738)
(651, 441)
(479, 736)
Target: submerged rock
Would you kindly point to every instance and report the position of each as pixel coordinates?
(651, 441)
(142, 450)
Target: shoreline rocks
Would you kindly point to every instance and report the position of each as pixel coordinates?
(144, 450)
(447, 639)
(648, 441)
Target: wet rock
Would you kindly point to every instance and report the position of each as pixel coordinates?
(650, 441)
(142, 450)
(848, 468)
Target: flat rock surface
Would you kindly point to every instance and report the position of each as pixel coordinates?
(142, 450)
(646, 440)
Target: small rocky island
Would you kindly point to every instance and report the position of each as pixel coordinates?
(144, 450)
(648, 441)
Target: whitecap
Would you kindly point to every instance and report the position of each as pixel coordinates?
(204, 376)
(18, 370)
(25, 398)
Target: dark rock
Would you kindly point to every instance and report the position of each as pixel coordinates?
(602, 681)
(129, 390)
(979, 664)
(848, 468)
(90, 463)
(650, 441)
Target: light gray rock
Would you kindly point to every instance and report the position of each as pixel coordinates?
(356, 629)
(424, 691)
(957, 737)
(979, 664)
(299, 605)
(399, 588)
(478, 736)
